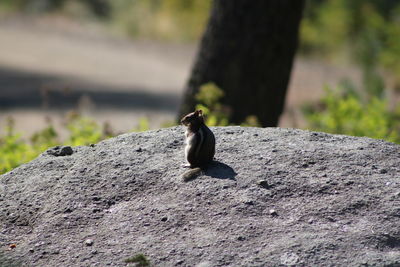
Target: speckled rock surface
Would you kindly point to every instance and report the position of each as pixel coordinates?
(273, 197)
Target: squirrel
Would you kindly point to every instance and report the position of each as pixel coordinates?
(200, 144)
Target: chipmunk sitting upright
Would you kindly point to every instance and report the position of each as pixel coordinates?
(200, 144)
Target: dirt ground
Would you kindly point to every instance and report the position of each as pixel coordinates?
(50, 65)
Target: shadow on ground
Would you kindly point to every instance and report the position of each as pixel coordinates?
(221, 170)
(20, 89)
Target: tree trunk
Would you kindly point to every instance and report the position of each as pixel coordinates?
(247, 50)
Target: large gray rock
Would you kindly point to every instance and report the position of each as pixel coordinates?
(273, 197)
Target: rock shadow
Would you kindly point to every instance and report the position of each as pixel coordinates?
(220, 170)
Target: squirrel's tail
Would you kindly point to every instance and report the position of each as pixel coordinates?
(192, 174)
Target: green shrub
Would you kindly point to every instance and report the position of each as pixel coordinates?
(324, 28)
(369, 33)
(149, 19)
(161, 19)
(142, 126)
(209, 100)
(365, 32)
(83, 131)
(345, 112)
(13, 150)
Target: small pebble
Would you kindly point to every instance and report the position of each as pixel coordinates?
(89, 242)
(273, 212)
(66, 151)
(60, 151)
(263, 183)
(249, 202)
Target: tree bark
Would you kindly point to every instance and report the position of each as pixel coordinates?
(247, 50)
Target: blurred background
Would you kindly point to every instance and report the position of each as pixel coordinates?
(78, 71)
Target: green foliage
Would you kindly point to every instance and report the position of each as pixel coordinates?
(149, 19)
(15, 150)
(140, 260)
(324, 26)
(366, 31)
(251, 121)
(163, 20)
(142, 126)
(209, 97)
(83, 131)
(46, 137)
(389, 56)
(345, 112)
(209, 101)
(167, 124)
